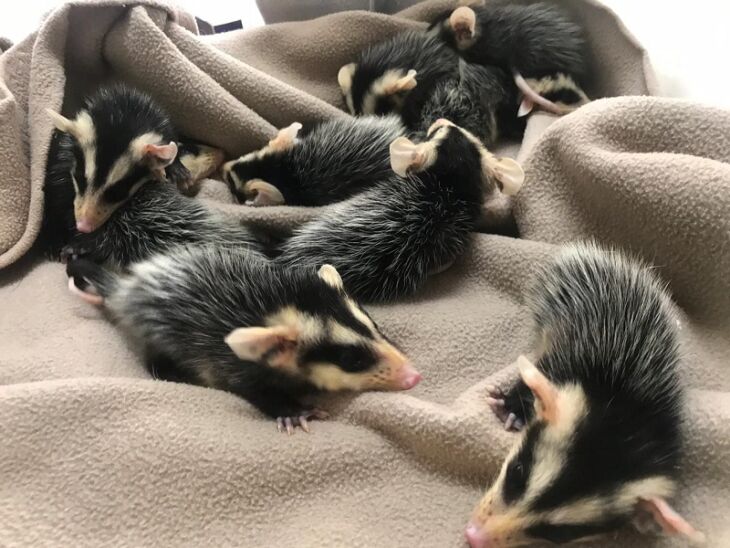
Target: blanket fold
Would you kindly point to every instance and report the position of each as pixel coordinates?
(95, 453)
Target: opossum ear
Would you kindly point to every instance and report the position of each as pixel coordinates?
(403, 83)
(546, 396)
(61, 122)
(507, 171)
(286, 137)
(251, 343)
(668, 519)
(344, 77)
(158, 157)
(407, 156)
(330, 276)
(526, 106)
(261, 193)
(463, 22)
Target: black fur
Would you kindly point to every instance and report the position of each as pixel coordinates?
(156, 218)
(183, 308)
(119, 114)
(610, 330)
(386, 241)
(536, 40)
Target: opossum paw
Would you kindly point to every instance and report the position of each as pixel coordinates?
(74, 251)
(497, 402)
(288, 424)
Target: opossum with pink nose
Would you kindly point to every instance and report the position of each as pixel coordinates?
(118, 143)
(225, 318)
(601, 410)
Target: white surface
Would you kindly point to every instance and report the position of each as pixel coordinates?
(688, 42)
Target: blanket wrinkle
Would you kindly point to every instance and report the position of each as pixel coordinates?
(96, 453)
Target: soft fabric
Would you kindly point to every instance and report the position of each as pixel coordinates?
(95, 453)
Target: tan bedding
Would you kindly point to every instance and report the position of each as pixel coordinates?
(95, 453)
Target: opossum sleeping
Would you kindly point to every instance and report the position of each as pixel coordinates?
(335, 160)
(156, 218)
(483, 100)
(387, 240)
(531, 41)
(117, 142)
(385, 74)
(418, 76)
(222, 318)
(602, 408)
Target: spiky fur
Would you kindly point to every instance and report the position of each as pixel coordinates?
(387, 240)
(536, 40)
(330, 163)
(181, 305)
(482, 100)
(608, 339)
(156, 218)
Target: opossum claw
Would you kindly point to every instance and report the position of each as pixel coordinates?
(301, 419)
(496, 401)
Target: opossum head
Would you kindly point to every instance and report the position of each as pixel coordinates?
(249, 176)
(579, 470)
(119, 140)
(325, 338)
(368, 90)
(451, 151)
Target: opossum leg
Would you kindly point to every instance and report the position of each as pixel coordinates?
(289, 423)
(514, 408)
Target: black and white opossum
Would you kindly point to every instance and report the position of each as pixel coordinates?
(119, 141)
(416, 75)
(602, 407)
(222, 318)
(156, 218)
(387, 240)
(408, 65)
(531, 41)
(332, 162)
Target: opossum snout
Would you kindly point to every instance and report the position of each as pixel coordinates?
(475, 536)
(85, 226)
(408, 378)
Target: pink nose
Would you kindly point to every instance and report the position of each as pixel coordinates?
(409, 378)
(83, 225)
(475, 537)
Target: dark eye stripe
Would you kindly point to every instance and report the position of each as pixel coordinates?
(351, 358)
(79, 169)
(569, 532)
(119, 191)
(518, 470)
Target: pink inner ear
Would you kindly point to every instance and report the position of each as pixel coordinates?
(162, 153)
(544, 391)
(669, 520)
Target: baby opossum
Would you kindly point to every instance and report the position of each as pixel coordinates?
(96, 162)
(335, 160)
(222, 318)
(602, 408)
(387, 240)
(156, 218)
(531, 41)
(408, 66)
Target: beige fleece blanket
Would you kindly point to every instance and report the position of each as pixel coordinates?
(95, 453)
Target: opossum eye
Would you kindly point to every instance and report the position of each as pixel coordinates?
(515, 481)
